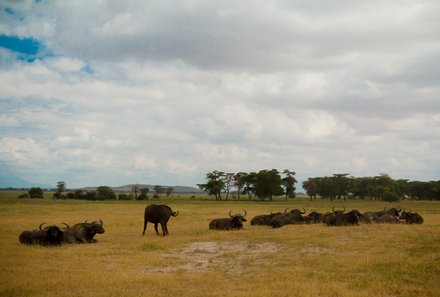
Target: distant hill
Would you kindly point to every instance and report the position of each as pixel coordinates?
(11, 181)
(127, 189)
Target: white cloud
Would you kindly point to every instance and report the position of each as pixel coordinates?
(191, 86)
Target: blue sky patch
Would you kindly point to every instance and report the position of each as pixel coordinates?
(28, 45)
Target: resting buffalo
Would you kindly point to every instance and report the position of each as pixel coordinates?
(83, 232)
(343, 219)
(313, 217)
(372, 216)
(264, 219)
(234, 222)
(292, 217)
(50, 235)
(388, 219)
(411, 217)
(158, 214)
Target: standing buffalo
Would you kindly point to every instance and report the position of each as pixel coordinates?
(292, 217)
(158, 214)
(234, 222)
(411, 217)
(83, 232)
(50, 235)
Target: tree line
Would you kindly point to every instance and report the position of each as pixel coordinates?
(381, 187)
(266, 184)
(101, 193)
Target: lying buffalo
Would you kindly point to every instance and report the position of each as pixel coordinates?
(313, 217)
(83, 232)
(373, 216)
(342, 218)
(292, 217)
(388, 219)
(234, 222)
(411, 217)
(50, 235)
(264, 219)
(158, 214)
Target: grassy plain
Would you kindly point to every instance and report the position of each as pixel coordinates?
(296, 260)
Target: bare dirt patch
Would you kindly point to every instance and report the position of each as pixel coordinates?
(233, 257)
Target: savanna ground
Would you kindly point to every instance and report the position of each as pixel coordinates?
(296, 260)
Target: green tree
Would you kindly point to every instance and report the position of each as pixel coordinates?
(61, 187)
(268, 184)
(144, 194)
(289, 182)
(36, 192)
(158, 190)
(169, 191)
(215, 184)
(311, 187)
(105, 193)
(239, 182)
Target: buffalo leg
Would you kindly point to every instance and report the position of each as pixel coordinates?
(155, 228)
(145, 226)
(164, 228)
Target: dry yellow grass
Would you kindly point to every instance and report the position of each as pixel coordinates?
(296, 260)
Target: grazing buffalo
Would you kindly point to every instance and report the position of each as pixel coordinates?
(158, 214)
(411, 217)
(343, 219)
(263, 219)
(388, 219)
(50, 235)
(83, 232)
(292, 217)
(234, 222)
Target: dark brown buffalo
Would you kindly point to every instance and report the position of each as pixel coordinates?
(373, 216)
(234, 222)
(313, 217)
(388, 219)
(411, 217)
(343, 219)
(264, 220)
(292, 217)
(83, 232)
(158, 214)
(50, 235)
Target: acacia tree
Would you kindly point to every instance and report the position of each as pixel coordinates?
(239, 182)
(268, 184)
(311, 187)
(289, 182)
(228, 181)
(214, 185)
(61, 187)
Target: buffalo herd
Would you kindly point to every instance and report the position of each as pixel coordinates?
(160, 214)
(54, 235)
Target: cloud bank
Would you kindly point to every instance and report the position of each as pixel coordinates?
(163, 92)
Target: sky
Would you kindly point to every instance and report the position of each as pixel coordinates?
(163, 92)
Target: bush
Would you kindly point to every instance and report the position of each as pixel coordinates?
(124, 197)
(23, 196)
(390, 196)
(36, 193)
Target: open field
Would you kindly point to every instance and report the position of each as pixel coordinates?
(296, 260)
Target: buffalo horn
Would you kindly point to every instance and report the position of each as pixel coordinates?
(41, 226)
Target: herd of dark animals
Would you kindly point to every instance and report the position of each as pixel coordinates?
(54, 235)
(160, 214)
